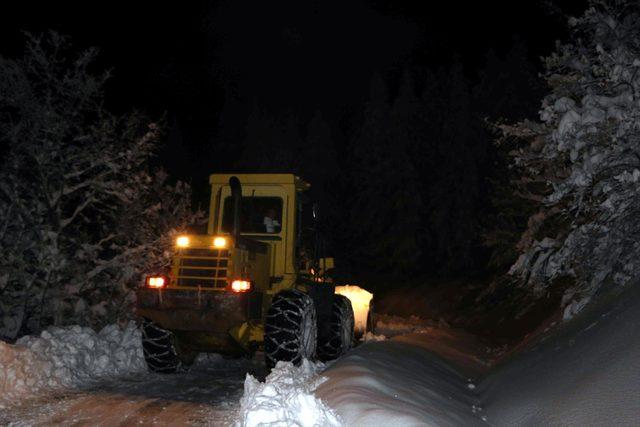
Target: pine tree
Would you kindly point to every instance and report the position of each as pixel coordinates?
(72, 172)
(580, 163)
(407, 142)
(386, 205)
(368, 222)
(507, 84)
(454, 186)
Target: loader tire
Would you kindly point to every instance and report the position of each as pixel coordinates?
(290, 329)
(340, 338)
(161, 350)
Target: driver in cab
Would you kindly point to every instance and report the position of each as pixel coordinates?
(271, 224)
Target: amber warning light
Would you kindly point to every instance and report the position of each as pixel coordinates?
(156, 282)
(240, 286)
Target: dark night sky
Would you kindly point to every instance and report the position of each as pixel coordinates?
(190, 59)
(291, 53)
(225, 75)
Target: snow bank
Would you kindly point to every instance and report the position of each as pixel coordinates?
(286, 398)
(587, 373)
(67, 357)
(399, 383)
(584, 373)
(586, 152)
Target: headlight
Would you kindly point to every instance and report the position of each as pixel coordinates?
(182, 241)
(220, 242)
(156, 282)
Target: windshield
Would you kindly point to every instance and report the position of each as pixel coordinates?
(257, 215)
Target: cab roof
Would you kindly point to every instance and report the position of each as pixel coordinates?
(260, 178)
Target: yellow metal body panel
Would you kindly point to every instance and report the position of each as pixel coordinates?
(199, 267)
(248, 333)
(199, 257)
(282, 262)
(221, 265)
(271, 270)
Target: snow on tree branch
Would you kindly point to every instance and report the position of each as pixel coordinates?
(587, 150)
(76, 231)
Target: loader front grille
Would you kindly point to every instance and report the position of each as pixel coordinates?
(205, 268)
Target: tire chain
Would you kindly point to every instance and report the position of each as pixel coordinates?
(341, 313)
(282, 327)
(165, 359)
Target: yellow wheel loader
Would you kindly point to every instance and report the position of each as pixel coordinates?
(247, 284)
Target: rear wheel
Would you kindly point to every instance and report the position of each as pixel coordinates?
(162, 350)
(340, 337)
(290, 329)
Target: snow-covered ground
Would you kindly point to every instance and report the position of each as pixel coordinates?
(586, 373)
(286, 398)
(400, 383)
(582, 373)
(207, 395)
(75, 376)
(67, 357)
(421, 373)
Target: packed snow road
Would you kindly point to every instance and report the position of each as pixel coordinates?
(584, 372)
(206, 395)
(74, 376)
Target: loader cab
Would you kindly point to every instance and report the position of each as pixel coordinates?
(231, 290)
(269, 213)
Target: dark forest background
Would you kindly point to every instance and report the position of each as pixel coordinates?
(387, 109)
(403, 178)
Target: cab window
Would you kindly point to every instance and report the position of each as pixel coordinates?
(257, 215)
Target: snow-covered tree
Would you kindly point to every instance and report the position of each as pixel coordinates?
(453, 202)
(82, 218)
(581, 163)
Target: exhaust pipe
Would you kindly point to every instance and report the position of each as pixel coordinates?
(236, 195)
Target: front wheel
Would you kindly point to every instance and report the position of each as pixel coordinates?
(162, 350)
(340, 338)
(290, 330)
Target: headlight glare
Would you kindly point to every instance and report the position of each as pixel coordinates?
(219, 242)
(182, 241)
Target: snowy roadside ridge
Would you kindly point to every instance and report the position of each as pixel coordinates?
(67, 357)
(286, 398)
